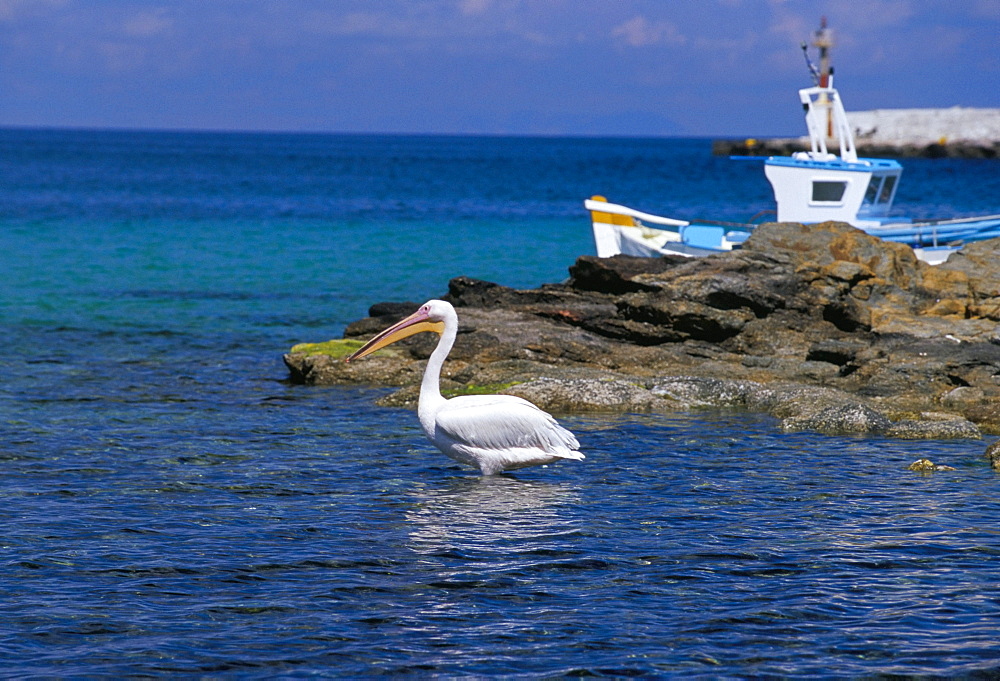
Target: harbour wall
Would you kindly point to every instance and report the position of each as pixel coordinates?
(957, 132)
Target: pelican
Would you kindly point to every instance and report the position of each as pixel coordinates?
(493, 433)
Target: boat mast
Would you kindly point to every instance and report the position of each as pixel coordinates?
(823, 40)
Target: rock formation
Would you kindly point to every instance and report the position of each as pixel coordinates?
(825, 327)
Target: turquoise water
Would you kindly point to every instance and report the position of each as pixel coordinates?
(170, 505)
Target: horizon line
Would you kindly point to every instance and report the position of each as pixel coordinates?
(13, 127)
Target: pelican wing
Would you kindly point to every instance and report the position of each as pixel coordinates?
(504, 423)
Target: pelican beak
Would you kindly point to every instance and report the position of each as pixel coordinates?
(415, 323)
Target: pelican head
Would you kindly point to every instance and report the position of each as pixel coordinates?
(431, 316)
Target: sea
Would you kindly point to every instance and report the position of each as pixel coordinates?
(171, 505)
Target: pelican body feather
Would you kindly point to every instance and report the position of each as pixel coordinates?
(493, 433)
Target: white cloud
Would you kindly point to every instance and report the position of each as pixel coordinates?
(147, 24)
(121, 57)
(791, 28)
(474, 7)
(15, 9)
(640, 32)
(988, 9)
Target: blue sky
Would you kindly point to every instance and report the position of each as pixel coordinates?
(576, 67)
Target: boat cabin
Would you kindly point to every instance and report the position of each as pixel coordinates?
(817, 185)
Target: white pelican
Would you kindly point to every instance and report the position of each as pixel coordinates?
(494, 433)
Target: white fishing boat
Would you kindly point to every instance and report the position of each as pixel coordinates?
(809, 187)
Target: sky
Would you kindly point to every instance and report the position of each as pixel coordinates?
(705, 68)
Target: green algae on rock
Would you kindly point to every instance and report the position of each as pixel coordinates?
(336, 348)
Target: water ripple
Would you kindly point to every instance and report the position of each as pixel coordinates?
(170, 506)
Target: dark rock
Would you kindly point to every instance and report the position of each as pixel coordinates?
(616, 274)
(687, 319)
(395, 311)
(834, 351)
(632, 331)
(468, 292)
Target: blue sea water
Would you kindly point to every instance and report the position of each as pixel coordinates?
(170, 505)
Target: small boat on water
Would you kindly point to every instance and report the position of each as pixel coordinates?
(809, 187)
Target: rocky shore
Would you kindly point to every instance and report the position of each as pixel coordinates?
(824, 327)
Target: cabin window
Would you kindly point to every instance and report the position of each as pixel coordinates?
(871, 194)
(827, 191)
(887, 187)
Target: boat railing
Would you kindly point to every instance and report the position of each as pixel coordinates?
(958, 221)
(598, 205)
(934, 235)
(826, 118)
(742, 226)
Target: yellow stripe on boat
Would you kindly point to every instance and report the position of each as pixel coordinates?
(610, 218)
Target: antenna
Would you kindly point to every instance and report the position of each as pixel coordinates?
(813, 71)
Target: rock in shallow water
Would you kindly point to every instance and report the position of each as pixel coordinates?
(993, 454)
(586, 395)
(934, 426)
(837, 419)
(928, 466)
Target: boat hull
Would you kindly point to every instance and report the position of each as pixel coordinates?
(643, 242)
(619, 229)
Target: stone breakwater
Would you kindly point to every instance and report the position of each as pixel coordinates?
(942, 148)
(957, 132)
(824, 327)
